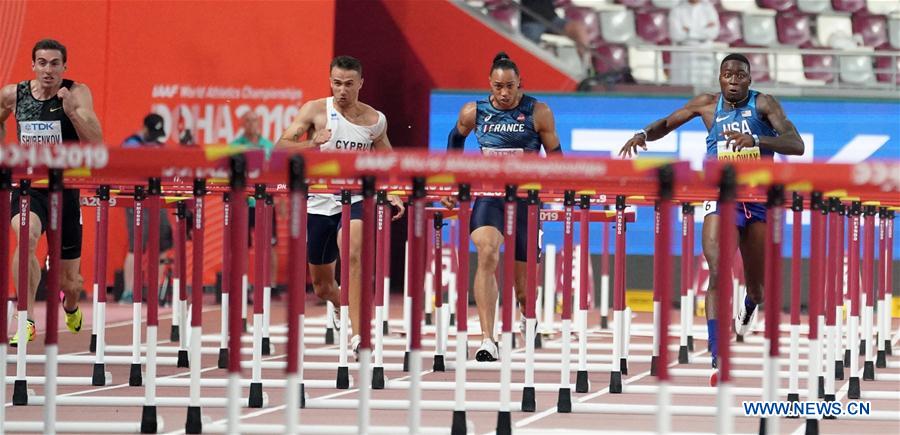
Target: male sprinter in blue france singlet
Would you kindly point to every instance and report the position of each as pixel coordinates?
(743, 124)
(508, 122)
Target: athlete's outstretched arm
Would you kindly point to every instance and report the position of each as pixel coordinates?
(79, 107)
(545, 125)
(7, 103)
(661, 127)
(291, 138)
(788, 141)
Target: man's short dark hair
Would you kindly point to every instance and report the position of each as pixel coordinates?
(348, 63)
(738, 57)
(48, 44)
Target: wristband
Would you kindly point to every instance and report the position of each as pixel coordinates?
(755, 140)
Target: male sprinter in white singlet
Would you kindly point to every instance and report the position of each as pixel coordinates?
(50, 110)
(338, 123)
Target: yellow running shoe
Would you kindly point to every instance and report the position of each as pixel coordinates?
(73, 320)
(29, 326)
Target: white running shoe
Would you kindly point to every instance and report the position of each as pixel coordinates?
(487, 352)
(745, 320)
(354, 344)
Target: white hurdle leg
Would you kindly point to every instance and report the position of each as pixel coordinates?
(547, 322)
(3, 376)
(223, 334)
(329, 322)
(794, 365)
(365, 355)
(176, 309)
(50, 371)
(245, 288)
(853, 336)
(266, 316)
(654, 353)
(99, 376)
(135, 378)
(869, 365)
(604, 299)
(690, 319)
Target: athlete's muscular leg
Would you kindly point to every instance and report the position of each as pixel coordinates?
(71, 283)
(753, 245)
(34, 268)
(326, 288)
(710, 242)
(355, 271)
(487, 242)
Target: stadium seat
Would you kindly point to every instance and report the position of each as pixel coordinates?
(789, 68)
(665, 4)
(814, 6)
(729, 27)
(887, 69)
(652, 25)
(759, 63)
(828, 24)
(594, 4)
(818, 66)
(894, 32)
(883, 7)
(793, 28)
(848, 5)
(759, 29)
(778, 5)
(587, 17)
(608, 58)
(872, 29)
(617, 26)
(507, 15)
(746, 6)
(646, 65)
(856, 69)
(634, 4)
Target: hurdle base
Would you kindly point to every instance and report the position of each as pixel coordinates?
(604, 322)
(183, 362)
(821, 387)
(615, 382)
(378, 378)
(452, 319)
(839, 370)
(20, 392)
(846, 357)
(862, 347)
(829, 398)
(428, 319)
(762, 426)
(438, 365)
(384, 328)
(98, 378)
(223, 359)
(504, 423)
(148, 419)
(869, 371)
(528, 402)
(881, 360)
(690, 343)
(459, 423)
(887, 348)
(793, 397)
(564, 401)
(653, 361)
(739, 338)
(406, 361)
(683, 355)
(329, 336)
(93, 345)
(538, 341)
(623, 366)
(581, 382)
(343, 378)
(193, 423)
(812, 426)
(256, 395)
(266, 346)
(135, 378)
(302, 396)
(175, 334)
(853, 390)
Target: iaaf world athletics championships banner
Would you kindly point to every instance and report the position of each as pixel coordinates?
(833, 130)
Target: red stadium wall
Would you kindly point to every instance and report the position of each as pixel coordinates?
(409, 47)
(200, 64)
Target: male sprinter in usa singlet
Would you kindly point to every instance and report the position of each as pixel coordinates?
(338, 123)
(507, 122)
(742, 124)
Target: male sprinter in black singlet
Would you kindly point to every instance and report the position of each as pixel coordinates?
(50, 109)
(507, 122)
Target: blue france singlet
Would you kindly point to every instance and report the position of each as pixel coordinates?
(507, 131)
(745, 119)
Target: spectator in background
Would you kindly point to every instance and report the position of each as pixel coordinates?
(693, 23)
(253, 138)
(545, 19)
(152, 134)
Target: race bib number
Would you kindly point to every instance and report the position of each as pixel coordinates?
(725, 152)
(502, 151)
(709, 207)
(40, 132)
